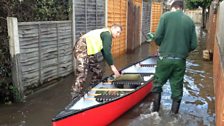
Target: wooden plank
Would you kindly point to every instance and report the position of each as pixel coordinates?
(134, 16)
(43, 22)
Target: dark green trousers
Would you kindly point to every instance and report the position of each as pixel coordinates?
(172, 70)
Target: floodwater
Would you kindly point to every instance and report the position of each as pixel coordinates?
(197, 107)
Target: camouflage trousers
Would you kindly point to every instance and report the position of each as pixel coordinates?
(84, 64)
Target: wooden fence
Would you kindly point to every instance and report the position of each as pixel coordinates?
(117, 13)
(218, 68)
(211, 29)
(156, 12)
(89, 15)
(146, 13)
(134, 20)
(43, 52)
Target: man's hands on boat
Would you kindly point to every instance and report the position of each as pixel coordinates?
(115, 71)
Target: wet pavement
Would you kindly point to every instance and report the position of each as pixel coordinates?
(197, 107)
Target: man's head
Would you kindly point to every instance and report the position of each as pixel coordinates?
(116, 30)
(177, 4)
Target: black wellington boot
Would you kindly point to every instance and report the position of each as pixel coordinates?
(175, 107)
(156, 102)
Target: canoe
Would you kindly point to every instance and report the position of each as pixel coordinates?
(97, 108)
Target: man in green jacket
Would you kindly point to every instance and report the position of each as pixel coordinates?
(176, 37)
(89, 52)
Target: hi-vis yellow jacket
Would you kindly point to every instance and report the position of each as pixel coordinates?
(94, 41)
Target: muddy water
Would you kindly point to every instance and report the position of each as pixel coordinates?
(197, 107)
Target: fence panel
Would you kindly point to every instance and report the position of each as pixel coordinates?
(157, 10)
(134, 21)
(220, 28)
(218, 67)
(146, 19)
(89, 15)
(117, 13)
(45, 51)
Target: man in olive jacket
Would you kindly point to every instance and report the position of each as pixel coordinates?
(176, 37)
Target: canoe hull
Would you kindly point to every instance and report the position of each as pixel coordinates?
(105, 114)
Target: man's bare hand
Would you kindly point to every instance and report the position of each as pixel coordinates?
(115, 71)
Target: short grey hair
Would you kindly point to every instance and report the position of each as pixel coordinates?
(117, 25)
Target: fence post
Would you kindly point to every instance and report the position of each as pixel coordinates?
(73, 32)
(106, 13)
(14, 48)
